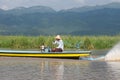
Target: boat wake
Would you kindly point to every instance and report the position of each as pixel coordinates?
(92, 59)
(113, 54)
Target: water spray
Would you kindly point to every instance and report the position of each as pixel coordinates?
(113, 54)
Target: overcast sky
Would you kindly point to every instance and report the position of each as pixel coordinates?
(55, 4)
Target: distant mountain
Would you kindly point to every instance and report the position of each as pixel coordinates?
(1, 10)
(90, 8)
(41, 20)
(112, 5)
(29, 10)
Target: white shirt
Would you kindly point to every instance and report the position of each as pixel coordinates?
(60, 44)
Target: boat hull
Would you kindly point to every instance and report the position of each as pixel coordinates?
(69, 54)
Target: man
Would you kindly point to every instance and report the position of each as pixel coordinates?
(59, 42)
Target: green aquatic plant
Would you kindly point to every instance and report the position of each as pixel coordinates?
(70, 42)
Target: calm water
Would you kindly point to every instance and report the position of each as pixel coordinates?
(15, 68)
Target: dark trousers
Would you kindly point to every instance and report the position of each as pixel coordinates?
(57, 50)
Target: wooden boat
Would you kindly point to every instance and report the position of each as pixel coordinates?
(28, 53)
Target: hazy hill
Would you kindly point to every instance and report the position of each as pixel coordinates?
(41, 20)
(90, 8)
(29, 10)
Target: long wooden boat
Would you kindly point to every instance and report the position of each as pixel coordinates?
(28, 53)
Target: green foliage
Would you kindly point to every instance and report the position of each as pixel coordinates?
(87, 44)
(70, 42)
(105, 42)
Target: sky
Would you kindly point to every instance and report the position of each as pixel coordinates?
(55, 4)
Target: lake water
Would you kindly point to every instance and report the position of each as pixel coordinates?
(22, 68)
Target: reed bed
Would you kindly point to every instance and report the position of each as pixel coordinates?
(71, 42)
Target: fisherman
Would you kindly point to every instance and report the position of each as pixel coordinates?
(59, 42)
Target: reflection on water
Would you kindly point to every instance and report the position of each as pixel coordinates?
(115, 69)
(57, 69)
(54, 70)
